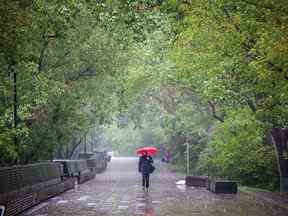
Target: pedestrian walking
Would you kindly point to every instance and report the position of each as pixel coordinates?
(145, 167)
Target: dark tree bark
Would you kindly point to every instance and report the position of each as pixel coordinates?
(212, 107)
(13, 71)
(75, 145)
(279, 138)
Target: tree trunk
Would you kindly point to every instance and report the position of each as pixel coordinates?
(15, 105)
(280, 141)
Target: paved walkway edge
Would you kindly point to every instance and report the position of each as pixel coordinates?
(267, 199)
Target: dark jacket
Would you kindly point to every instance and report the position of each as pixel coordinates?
(145, 164)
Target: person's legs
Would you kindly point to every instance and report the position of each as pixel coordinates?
(147, 181)
(143, 180)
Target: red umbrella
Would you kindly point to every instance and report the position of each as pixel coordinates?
(149, 149)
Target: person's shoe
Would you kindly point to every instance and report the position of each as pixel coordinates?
(147, 189)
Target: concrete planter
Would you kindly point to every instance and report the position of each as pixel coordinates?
(222, 186)
(196, 181)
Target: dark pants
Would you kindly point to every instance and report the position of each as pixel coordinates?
(145, 180)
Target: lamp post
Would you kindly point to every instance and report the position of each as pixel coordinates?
(15, 101)
(188, 158)
(85, 147)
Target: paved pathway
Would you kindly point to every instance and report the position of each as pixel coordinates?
(118, 192)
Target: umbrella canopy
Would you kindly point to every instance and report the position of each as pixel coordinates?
(149, 149)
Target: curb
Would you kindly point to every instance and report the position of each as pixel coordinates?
(269, 200)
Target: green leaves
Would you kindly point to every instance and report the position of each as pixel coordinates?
(213, 73)
(68, 66)
(237, 150)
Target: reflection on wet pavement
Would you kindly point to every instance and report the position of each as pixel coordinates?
(144, 204)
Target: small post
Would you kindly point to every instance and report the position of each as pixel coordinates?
(85, 147)
(188, 158)
(15, 102)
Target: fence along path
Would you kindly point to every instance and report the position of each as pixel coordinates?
(22, 187)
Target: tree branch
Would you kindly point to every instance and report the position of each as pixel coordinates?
(227, 14)
(87, 72)
(264, 6)
(214, 113)
(46, 39)
(41, 57)
(76, 145)
(251, 104)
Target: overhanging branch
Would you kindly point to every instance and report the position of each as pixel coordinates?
(214, 112)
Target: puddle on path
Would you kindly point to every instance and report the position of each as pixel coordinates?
(91, 204)
(144, 205)
(36, 208)
(123, 207)
(182, 188)
(156, 202)
(83, 198)
(62, 202)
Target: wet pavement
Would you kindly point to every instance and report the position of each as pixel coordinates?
(118, 192)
